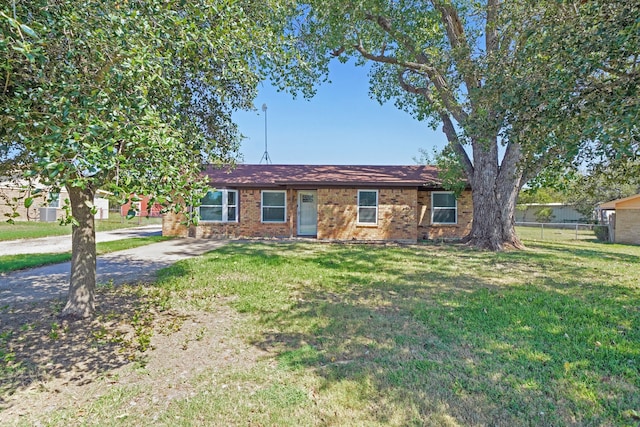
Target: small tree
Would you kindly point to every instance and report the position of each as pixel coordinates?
(544, 214)
(132, 97)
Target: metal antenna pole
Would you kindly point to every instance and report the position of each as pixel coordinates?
(265, 156)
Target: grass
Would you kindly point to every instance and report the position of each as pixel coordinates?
(434, 334)
(437, 335)
(36, 229)
(22, 261)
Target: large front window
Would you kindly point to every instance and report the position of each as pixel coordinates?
(444, 208)
(219, 206)
(274, 206)
(367, 207)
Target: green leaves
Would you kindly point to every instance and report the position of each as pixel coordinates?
(135, 96)
(25, 29)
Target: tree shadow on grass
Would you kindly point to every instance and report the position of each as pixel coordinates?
(38, 348)
(438, 344)
(598, 251)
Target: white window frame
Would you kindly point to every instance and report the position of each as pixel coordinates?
(435, 208)
(225, 206)
(263, 206)
(368, 207)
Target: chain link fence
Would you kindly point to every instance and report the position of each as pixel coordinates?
(562, 231)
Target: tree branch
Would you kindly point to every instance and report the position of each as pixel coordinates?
(448, 128)
(458, 42)
(450, 131)
(491, 27)
(432, 74)
(436, 77)
(423, 91)
(424, 68)
(512, 156)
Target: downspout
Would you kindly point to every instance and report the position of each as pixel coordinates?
(292, 206)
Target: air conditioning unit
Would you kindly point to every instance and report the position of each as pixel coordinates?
(48, 214)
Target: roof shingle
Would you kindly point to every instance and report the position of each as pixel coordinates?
(323, 175)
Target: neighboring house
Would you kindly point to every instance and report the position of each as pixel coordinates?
(142, 208)
(47, 205)
(364, 203)
(547, 212)
(625, 220)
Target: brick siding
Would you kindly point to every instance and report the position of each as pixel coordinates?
(172, 225)
(248, 225)
(428, 231)
(628, 226)
(338, 215)
(404, 214)
(30, 214)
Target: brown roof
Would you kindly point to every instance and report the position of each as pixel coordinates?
(323, 175)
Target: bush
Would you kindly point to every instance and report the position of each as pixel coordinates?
(544, 215)
(601, 232)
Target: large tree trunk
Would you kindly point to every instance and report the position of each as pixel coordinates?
(493, 224)
(82, 284)
(495, 188)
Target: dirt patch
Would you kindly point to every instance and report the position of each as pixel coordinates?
(49, 364)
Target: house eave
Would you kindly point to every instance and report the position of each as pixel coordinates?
(316, 185)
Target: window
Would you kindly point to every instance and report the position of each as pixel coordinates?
(274, 206)
(367, 206)
(54, 200)
(219, 206)
(444, 208)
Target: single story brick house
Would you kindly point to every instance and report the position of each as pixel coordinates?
(363, 203)
(626, 220)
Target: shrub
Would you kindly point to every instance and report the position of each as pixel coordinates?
(601, 232)
(544, 215)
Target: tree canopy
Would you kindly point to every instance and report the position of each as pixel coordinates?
(517, 87)
(134, 96)
(131, 97)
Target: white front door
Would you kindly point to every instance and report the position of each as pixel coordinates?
(307, 213)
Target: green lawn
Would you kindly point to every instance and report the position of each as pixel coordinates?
(436, 335)
(35, 229)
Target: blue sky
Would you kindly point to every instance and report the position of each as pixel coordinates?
(340, 125)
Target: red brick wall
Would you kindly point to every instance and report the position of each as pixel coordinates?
(426, 230)
(250, 214)
(338, 214)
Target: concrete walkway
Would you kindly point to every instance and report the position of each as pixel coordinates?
(128, 266)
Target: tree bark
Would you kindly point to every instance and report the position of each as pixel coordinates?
(495, 188)
(82, 284)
